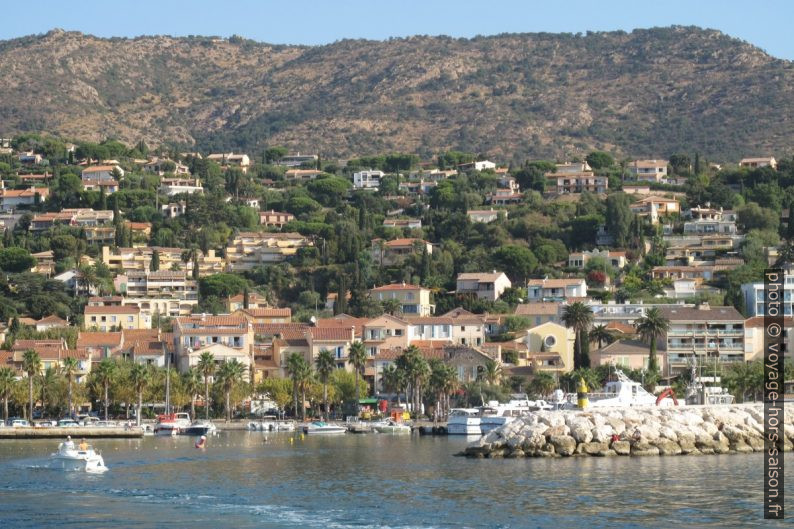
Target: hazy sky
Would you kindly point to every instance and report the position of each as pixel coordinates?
(765, 23)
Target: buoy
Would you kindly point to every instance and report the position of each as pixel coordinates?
(581, 394)
(202, 441)
(301, 437)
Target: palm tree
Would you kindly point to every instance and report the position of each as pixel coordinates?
(304, 377)
(493, 372)
(393, 380)
(357, 357)
(542, 384)
(600, 334)
(47, 384)
(69, 369)
(140, 378)
(104, 374)
(230, 374)
(206, 366)
(325, 364)
(7, 382)
(191, 383)
(651, 327)
(442, 381)
(578, 317)
(295, 363)
(416, 370)
(31, 364)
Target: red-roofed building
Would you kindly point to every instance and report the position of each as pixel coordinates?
(392, 252)
(265, 314)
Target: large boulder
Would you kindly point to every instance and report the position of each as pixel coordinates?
(666, 432)
(667, 447)
(594, 448)
(565, 445)
(644, 449)
(581, 430)
(602, 433)
(562, 429)
(622, 448)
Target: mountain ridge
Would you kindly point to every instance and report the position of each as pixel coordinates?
(649, 92)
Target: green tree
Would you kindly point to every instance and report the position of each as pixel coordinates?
(542, 384)
(518, 260)
(48, 382)
(106, 373)
(140, 378)
(394, 381)
(601, 335)
(191, 383)
(325, 364)
(206, 366)
(296, 367)
(651, 327)
(16, 259)
(7, 383)
(69, 369)
(154, 266)
(31, 365)
(357, 357)
(579, 317)
(619, 218)
(493, 372)
(600, 160)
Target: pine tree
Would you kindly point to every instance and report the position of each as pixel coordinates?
(195, 268)
(245, 298)
(155, 264)
(697, 163)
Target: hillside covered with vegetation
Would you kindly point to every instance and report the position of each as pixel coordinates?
(648, 93)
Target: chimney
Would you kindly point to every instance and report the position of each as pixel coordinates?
(704, 305)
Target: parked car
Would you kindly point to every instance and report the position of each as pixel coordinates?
(68, 423)
(104, 424)
(18, 423)
(88, 420)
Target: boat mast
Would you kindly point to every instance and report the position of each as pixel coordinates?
(167, 380)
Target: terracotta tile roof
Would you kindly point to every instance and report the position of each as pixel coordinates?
(620, 327)
(252, 296)
(539, 308)
(53, 319)
(99, 339)
(335, 334)
(758, 321)
(397, 286)
(434, 351)
(344, 321)
(480, 276)
(271, 329)
(265, 312)
(626, 347)
(30, 192)
(112, 309)
(78, 354)
(99, 168)
(224, 320)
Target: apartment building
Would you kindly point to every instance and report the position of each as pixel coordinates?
(179, 185)
(755, 301)
(368, 179)
(710, 220)
(713, 335)
(654, 207)
(648, 170)
(567, 183)
(139, 258)
(251, 249)
(227, 337)
(275, 218)
(102, 172)
(81, 217)
(413, 299)
(109, 318)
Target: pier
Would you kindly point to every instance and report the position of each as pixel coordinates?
(688, 430)
(80, 432)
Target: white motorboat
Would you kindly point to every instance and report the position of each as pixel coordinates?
(323, 428)
(393, 427)
(624, 393)
(464, 421)
(273, 425)
(75, 459)
(172, 424)
(201, 428)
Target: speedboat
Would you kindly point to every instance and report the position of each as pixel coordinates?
(172, 424)
(200, 428)
(464, 421)
(323, 428)
(392, 427)
(73, 459)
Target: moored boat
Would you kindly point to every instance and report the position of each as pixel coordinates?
(172, 424)
(323, 428)
(392, 427)
(464, 421)
(200, 428)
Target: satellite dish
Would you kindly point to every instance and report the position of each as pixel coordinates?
(313, 320)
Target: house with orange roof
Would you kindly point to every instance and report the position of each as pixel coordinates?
(391, 252)
(11, 199)
(108, 318)
(51, 322)
(654, 207)
(255, 301)
(101, 344)
(225, 336)
(335, 339)
(95, 184)
(265, 314)
(275, 218)
(649, 170)
(102, 172)
(413, 299)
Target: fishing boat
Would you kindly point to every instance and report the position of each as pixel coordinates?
(75, 459)
(624, 393)
(323, 428)
(392, 427)
(172, 424)
(464, 421)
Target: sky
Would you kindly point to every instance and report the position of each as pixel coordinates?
(764, 23)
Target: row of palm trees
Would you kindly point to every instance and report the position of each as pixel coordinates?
(120, 381)
(579, 317)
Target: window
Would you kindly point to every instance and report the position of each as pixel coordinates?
(549, 341)
(130, 319)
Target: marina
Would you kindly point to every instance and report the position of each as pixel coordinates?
(262, 480)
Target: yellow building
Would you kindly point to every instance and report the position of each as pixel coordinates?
(550, 347)
(414, 300)
(112, 317)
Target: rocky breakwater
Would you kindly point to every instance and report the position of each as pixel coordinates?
(633, 432)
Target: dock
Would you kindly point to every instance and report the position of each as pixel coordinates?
(86, 432)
